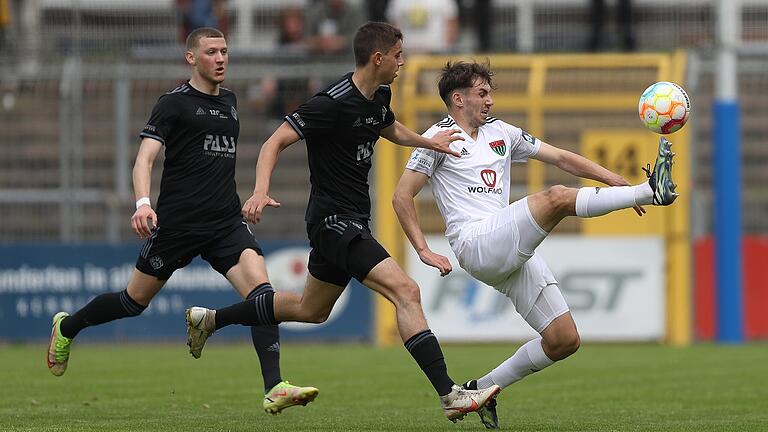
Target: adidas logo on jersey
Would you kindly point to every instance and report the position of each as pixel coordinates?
(200, 111)
(464, 152)
(357, 123)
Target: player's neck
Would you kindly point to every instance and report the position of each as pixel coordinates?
(465, 125)
(365, 81)
(204, 86)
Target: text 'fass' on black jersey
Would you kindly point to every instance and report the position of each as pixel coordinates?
(341, 127)
(200, 133)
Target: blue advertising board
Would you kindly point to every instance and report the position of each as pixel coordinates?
(36, 281)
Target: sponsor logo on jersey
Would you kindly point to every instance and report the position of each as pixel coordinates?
(464, 152)
(371, 121)
(488, 176)
(200, 111)
(498, 147)
(150, 128)
(364, 152)
(220, 146)
(528, 137)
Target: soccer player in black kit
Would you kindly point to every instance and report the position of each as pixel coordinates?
(341, 126)
(198, 213)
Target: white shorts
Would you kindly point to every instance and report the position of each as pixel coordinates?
(499, 251)
(549, 305)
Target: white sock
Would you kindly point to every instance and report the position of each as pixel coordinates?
(597, 201)
(528, 359)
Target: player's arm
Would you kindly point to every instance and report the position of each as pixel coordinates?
(441, 141)
(283, 137)
(408, 187)
(142, 176)
(580, 166)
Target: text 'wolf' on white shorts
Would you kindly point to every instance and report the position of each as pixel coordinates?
(500, 251)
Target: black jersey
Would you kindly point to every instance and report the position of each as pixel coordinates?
(200, 133)
(341, 127)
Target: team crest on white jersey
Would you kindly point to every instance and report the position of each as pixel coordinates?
(498, 147)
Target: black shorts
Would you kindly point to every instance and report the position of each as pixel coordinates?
(168, 250)
(342, 248)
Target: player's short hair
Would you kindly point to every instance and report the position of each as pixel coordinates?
(193, 40)
(372, 37)
(460, 76)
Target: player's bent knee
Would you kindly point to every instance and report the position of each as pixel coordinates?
(409, 293)
(564, 345)
(559, 196)
(317, 316)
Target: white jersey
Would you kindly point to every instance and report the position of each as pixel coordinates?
(476, 185)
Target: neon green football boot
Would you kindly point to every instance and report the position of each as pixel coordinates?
(285, 394)
(58, 348)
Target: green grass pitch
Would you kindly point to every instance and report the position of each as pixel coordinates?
(601, 388)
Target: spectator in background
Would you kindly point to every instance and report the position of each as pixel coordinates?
(202, 13)
(596, 41)
(5, 24)
(286, 94)
(331, 24)
(377, 10)
(432, 26)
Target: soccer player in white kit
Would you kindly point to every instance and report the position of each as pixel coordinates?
(472, 193)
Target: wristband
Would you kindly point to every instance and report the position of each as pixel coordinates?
(143, 200)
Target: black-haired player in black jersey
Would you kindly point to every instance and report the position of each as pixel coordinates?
(198, 213)
(341, 126)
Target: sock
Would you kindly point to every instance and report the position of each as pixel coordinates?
(425, 349)
(258, 311)
(528, 359)
(597, 201)
(103, 308)
(266, 341)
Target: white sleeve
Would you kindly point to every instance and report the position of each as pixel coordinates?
(522, 144)
(424, 160)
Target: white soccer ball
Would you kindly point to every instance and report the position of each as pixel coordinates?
(664, 107)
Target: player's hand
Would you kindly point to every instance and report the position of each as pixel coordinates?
(140, 221)
(436, 260)
(255, 205)
(442, 140)
(621, 181)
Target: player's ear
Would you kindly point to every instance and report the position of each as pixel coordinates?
(190, 56)
(457, 98)
(377, 57)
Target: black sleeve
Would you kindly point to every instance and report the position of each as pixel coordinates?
(389, 116)
(161, 121)
(315, 116)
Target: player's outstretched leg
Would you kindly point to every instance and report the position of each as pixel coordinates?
(460, 402)
(58, 347)
(285, 395)
(201, 324)
(660, 179)
(487, 413)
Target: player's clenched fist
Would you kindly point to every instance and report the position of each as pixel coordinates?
(140, 221)
(255, 205)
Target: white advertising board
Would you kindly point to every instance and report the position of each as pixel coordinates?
(614, 287)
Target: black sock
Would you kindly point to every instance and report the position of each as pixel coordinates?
(258, 311)
(104, 308)
(426, 351)
(266, 341)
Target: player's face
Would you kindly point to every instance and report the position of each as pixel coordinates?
(210, 59)
(478, 102)
(391, 62)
